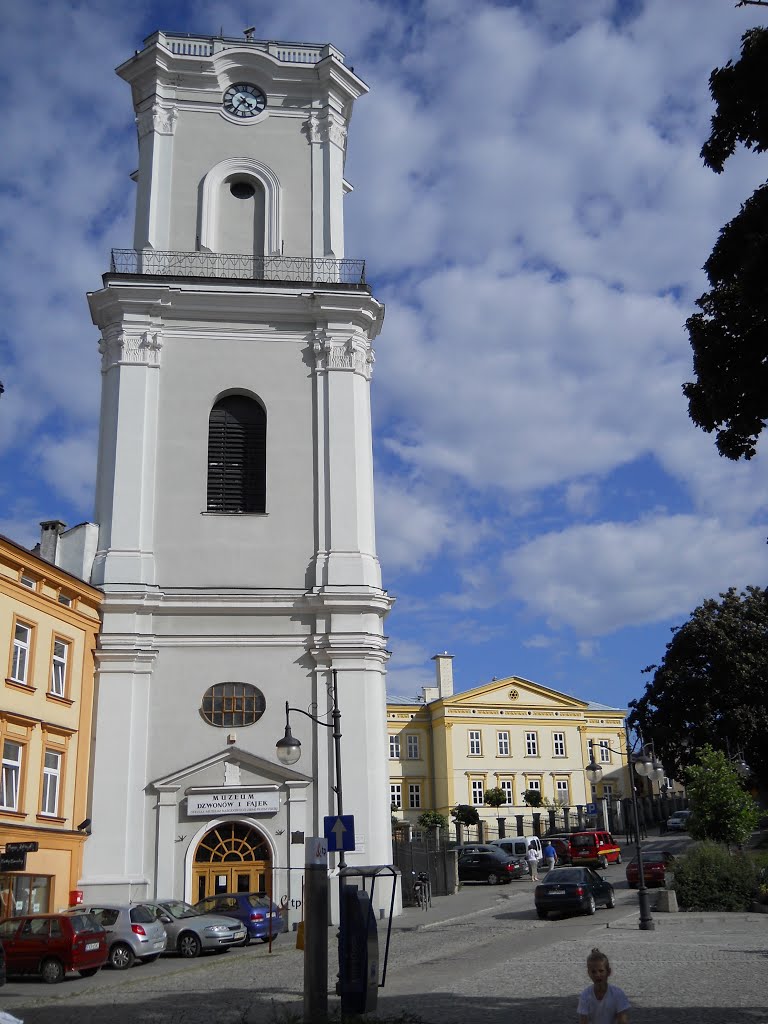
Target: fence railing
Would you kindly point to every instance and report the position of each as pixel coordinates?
(187, 45)
(285, 269)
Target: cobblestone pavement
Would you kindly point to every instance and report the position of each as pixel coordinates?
(480, 956)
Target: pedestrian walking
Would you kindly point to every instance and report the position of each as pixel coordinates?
(533, 863)
(550, 856)
(601, 1003)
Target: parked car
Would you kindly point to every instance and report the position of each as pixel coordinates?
(594, 847)
(517, 846)
(572, 888)
(53, 944)
(260, 917)
(190, 932)
(678, 822)
(486, 864)
(562, 845)
(655, 866)
(133, 932)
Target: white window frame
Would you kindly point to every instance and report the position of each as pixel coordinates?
(502, 742)
(558, 744)
(10, 782)
(563, 791)
(412, 746)
(605, 751)
(28, 581)
(394, 747)
(396, 795)
(531, 744)
(534, 784)
(506, 787)
(477, 788)
(608, 790)
(51, 783)
(474, 739)
(59, 663)
(414, 795)
(22, 649)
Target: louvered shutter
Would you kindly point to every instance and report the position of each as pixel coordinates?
(237, 456)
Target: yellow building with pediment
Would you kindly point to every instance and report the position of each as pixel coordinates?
(512, 734)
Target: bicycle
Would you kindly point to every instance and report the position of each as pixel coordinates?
(422, 890)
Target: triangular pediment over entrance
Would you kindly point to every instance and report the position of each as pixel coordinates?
(231, 767)
(515, 692)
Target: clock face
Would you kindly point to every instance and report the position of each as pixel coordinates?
(244, 100)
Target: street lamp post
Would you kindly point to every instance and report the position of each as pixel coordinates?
(288, 750)
(647, 767)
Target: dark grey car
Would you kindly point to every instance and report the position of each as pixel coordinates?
(190, 932)
(133, 933)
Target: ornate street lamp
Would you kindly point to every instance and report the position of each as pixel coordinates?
(647, 767)
(288, 749)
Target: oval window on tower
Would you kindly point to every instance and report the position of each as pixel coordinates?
(230, 704)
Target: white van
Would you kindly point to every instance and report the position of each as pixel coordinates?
(518, 846)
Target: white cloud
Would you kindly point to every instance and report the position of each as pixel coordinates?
(601, 578)
(410, 527)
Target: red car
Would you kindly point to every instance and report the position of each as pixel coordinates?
(594, 848)
(53, 944)
(654, 870)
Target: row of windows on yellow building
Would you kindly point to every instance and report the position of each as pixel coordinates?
(511, 734)
(51, 620)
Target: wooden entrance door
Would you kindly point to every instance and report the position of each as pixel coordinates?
(231, 858)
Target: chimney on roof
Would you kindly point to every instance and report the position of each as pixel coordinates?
(50, 531)
(444, 674)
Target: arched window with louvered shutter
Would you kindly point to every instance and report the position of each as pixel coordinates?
(237, 456)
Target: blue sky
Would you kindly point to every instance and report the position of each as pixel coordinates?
(534, 213)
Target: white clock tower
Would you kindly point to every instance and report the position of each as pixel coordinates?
(235, 483)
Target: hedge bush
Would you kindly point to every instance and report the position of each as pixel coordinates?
(709, 877)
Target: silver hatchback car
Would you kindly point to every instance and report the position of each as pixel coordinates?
(133, 933)
(190, 932)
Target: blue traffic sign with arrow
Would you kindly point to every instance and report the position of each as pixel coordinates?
(339, 830)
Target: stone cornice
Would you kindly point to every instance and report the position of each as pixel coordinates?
(251, 602)
(139, 304)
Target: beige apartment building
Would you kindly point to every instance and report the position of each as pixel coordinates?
(49, 620)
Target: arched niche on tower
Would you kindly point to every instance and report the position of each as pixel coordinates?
(243, 172)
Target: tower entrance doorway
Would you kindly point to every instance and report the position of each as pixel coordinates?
(231, 858)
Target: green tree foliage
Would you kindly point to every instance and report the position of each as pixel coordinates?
(495, 797)
(432, 819)
(711, 685)
(709, 878)
(533, 798)
(465, 814)
(729, 337)
(722, 810)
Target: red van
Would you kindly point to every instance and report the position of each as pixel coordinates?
(595, 847)
(53, 944)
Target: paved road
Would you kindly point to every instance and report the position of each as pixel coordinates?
(497, 961)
